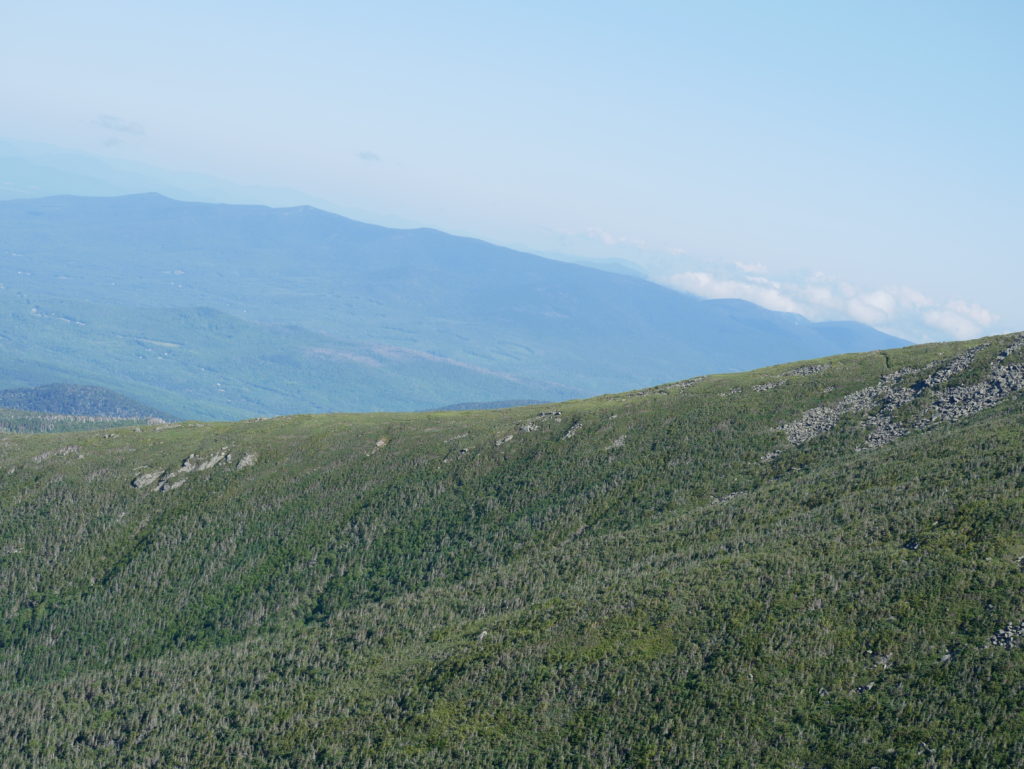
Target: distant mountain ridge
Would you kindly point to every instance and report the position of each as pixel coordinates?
(250, 311)
(34, 170)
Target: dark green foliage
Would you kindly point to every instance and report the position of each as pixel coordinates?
(76, 400)
(13, 421)
(632, 580)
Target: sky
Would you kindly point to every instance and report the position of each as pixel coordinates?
(844, 160)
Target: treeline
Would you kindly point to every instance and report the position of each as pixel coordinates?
(13, 421)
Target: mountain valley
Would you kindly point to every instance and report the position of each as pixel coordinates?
(212, 311)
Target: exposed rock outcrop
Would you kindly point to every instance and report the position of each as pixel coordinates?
(664, 389)
(880, 402)
(193, 463)
(1009, 637)
(809, 370)
(247, 460)
(169, 480)
(572, 431)
(533, 423)
(146, 479)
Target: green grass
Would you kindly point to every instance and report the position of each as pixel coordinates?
(416, 590)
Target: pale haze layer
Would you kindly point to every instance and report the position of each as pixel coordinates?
(856, 160)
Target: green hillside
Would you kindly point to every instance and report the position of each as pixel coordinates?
(812, 565)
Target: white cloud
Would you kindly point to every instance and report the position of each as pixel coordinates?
(912, 298)
(873, 308)
(611, 239)
(960, 319)
(956, 325)
(819, 296)
(898, 310)
(903, 311)
(979, 315)
(705, 285)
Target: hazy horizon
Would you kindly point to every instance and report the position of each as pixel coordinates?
(843, 163)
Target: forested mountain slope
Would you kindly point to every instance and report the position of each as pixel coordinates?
(816, 564)
(70, 408)
(76, 401)
(226, 311)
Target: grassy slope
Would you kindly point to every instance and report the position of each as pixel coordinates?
(419, 591)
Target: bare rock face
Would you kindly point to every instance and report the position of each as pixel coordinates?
(778, 381)
(194, 464)
(1009, 637)
(146, 479)
(880, 402)
(247, 460)
(534, 423)
(810, 370)
(821, 419)
(663, 389)
(169, 480)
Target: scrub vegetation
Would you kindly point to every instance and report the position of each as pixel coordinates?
(15, 421)
(811, 565)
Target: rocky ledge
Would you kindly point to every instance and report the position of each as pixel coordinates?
(880, 402)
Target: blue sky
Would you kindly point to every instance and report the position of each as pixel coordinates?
(842, 159)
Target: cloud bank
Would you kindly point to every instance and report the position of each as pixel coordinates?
(898, 310)
(901, 310)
